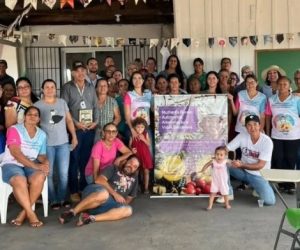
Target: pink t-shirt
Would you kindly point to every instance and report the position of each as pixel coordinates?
(105, 155)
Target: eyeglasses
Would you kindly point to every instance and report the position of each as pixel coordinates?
(23, 87)
(113, 132)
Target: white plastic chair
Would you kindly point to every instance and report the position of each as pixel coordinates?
(6, 190)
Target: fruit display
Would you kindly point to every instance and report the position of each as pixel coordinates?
(197, 187)
(172, 169)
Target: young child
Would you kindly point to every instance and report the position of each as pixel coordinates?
(141, 145)
(219, 176)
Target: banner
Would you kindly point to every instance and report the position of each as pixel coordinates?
(188, 128)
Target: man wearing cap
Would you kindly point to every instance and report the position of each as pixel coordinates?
(81, 98)
(4, 78)
(92, 67)
(256, 150)
(270, 75)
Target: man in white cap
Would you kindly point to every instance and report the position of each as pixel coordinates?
(256, 150)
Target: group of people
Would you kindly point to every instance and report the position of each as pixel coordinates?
(99, 133)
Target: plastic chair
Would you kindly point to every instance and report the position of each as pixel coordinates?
(293, 217)
(6, 190)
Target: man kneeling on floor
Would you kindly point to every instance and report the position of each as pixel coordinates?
(256, 150)
(108, 199)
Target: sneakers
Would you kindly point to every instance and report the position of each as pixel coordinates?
(221, 199)
(75, 197)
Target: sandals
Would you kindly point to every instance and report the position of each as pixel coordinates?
(16, 223)
(36, 224)
(85, 219)
(66, 216)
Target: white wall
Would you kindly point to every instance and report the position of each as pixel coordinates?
(9, 53)
(201, 19)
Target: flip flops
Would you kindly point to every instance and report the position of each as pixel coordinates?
(16, 223)
(85, 219)
(36, 224)
(66, 216)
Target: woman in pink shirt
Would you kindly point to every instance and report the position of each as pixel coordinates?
(104, 153)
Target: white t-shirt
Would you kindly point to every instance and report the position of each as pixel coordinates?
(252, 153)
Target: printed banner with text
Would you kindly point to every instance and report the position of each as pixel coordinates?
(188, 128)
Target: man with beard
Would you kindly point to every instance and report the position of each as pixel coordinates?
(92, 67)
(108, 199)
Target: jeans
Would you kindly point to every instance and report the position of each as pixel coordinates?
(260, 185)
(10, 170)
(79, 158)
(58, 157)
(107, 205)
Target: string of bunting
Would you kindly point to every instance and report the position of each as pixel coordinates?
(171, 43)
(11, 4)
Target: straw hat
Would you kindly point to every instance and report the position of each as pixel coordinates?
(264, 74)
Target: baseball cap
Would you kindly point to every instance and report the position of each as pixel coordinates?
(78, 64)
(2, 61)
(252, 118)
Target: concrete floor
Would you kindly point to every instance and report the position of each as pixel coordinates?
(168, 224)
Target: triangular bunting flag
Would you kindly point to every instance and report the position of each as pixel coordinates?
(232, 40)
(290, 36)
(244, 40)
(120, 42)
(153, 42)
(18, 36)
(110, 41)
(73, 38)
(108, 2)
(97, 41)
(32, 2)
(196, 43)
(222, 42)
(34, 38)
(279, 38)
(211, 42)
(187, 42)
(64, 2)
(174, 43)
(11, 4)
(85, 2)
(87, 40)
(253, 40)
(166, 42)
(49, 3)
(268, 39)
(51, 37)
(132, 41)
(142, 42)
(136, 2)
(62, 39)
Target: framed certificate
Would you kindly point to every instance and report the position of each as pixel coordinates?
(86, 116)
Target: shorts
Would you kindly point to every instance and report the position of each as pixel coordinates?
(10, 170)
(109, 204)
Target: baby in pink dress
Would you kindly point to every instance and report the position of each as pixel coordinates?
(220, 176)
